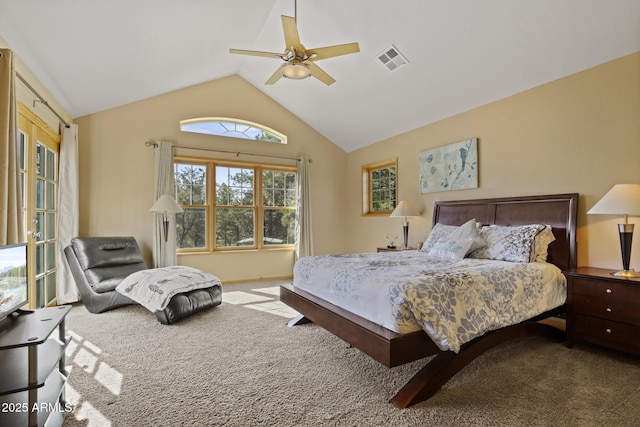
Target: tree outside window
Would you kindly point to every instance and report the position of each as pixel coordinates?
(191, 195)
(380, 187)
(244, 196)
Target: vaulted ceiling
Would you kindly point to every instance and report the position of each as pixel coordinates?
(95, 55)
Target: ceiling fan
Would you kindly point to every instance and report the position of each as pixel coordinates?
(299, 63)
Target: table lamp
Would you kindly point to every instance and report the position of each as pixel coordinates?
(165, 205)
(405, 210)
(622, 199)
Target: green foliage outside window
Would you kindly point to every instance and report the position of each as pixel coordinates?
(236, 211)
(383, 189)
(191, 194)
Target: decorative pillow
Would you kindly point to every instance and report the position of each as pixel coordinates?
(451, 248)
(451, 233)
(514, 244)
(542, 242)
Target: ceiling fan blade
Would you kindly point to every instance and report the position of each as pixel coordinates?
(291, 36)
(331, 51)
(275, 76)
(256, 53)
(320, 74)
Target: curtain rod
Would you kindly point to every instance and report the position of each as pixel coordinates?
(42, 100)
(237, 153)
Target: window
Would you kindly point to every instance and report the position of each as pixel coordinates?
(379, 187)
(234, 128)
(191, 195)
(243, 196)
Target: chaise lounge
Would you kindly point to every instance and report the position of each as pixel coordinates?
(100, 264)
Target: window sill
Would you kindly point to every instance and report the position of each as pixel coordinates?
(234, 251)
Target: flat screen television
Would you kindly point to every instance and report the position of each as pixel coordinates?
(13, 278)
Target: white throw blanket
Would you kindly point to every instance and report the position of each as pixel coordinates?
(154, 288)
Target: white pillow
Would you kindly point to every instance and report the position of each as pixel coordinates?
(451, 233)
(451, 248)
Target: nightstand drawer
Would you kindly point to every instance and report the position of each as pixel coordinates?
(600, 307)
(607, 290)
(611, 334)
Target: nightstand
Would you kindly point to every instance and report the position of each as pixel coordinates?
(603, 309)
(398, 249)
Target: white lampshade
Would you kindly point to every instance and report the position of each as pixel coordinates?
(622, 199)
(165, 204)
(404, 209)
(296, 71)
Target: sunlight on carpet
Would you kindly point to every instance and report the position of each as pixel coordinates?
(86, 356)
(261, 299)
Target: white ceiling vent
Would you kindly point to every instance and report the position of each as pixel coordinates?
(392, 58)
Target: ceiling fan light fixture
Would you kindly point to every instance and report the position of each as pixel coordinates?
(296, 71)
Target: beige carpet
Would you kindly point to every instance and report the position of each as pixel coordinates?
(240, 365)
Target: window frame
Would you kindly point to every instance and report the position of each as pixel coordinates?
(211, 204)
(367, 190)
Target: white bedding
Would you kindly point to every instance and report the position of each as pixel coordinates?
(154, 288)
(454, 301)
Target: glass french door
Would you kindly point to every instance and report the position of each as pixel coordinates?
(38, 150)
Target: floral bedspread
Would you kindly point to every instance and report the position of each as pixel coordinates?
(454, 301)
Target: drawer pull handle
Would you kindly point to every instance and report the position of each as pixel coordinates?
(609, 291)
(608, 330)
(608, 310)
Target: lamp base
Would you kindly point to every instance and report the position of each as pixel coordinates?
(405, 229)
(626, 273)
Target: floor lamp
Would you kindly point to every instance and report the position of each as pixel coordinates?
(622, 199)
(166, 205)
(404, 210)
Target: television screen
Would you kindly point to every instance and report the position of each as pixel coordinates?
(13, 278)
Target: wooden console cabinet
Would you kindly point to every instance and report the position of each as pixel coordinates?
(32, 368)
(603, 309)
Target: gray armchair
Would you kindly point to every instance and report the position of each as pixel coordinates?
(98, 265)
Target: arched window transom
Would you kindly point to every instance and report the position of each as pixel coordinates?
(233, 128)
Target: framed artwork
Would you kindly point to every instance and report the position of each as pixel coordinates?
(448, 168)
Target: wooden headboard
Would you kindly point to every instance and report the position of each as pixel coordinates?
(560, 211)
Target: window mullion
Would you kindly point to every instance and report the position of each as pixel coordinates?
(259, 208)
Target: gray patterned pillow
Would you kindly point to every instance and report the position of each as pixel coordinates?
(514, 244)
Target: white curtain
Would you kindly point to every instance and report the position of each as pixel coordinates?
(164, 252)
(68, 211)
(11, 223)
(304, 241)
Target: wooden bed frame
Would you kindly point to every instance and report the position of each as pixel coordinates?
(393, 349)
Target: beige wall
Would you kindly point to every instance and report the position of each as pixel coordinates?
(577, 134)
(116, 169)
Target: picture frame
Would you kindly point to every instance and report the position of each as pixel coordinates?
(450, 167)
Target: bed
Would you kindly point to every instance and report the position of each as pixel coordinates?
(396, 348)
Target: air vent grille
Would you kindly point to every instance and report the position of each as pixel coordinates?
(392, 58)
